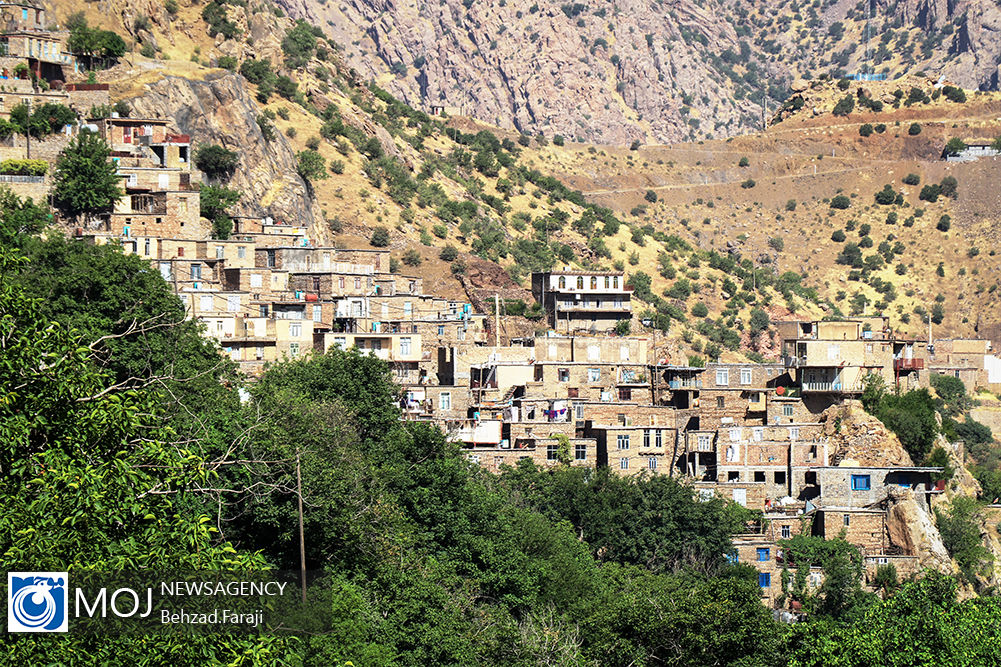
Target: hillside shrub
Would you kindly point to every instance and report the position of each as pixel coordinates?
(944, 223)
(914, 129)
(24, 167)
(911, 179)
(838, 236)
(840, 202)
(865, 130)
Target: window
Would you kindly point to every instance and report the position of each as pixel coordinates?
(646, 437)
(786, 532)
(405, 346)
(625, 394)
(552, 452)
(764, 579)
(659, 441)
(735, 435)
(357, 283)
(293, 349)
(593, 353)
(445, 400)
(563, 282)
(651, 462)
(233, 303)
(745, 376)
(606, 396)
(622, 440)
(593, 374)
(705, 442)
(794, 433)
(573, 392)
(563, 375)
(787, 410)
(623, 464)
(608, 281)
(848, 519)
(722, 377)
(340, 282)
(594, 282)
(623, 353)
(317, 313)
(256, 280)
(720, 403)
(860, 483)
(220, 252)
(341, 342)
(196, 271)
(408, 308)
(271, 259)
(580, 282)
(764, 554)
(758, 433)
(579, 411)
(205, 303)
(759, 475)
(780, 477)
(615, 282)
(580, 452)
(441, 329)
(295, 330)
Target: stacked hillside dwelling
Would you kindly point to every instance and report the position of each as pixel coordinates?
(35, 66)
(761, 435)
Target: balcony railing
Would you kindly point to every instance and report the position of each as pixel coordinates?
(832, 387)
(685, 383)
(908, 364)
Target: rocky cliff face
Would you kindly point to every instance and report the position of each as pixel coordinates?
(630, 71)
(219, 110)
(633, 70)
(858, 438)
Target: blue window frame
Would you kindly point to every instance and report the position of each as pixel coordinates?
(763, 554)
(860, 483)
(764, 579)
(731, 557)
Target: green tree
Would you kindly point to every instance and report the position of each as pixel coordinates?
(86, 181)
(215, 200)
(312, 166)
(960, 530)
(217, 162)
(380, 237)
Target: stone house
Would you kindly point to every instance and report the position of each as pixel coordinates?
(582, 301)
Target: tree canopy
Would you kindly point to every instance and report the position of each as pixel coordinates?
(86, 181)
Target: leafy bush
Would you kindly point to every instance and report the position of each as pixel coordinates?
(24, 167)
(776, 243)
(865, 130)
(844, 106)
(930, 193)
(748, 184)
(448, 253)
(944, 223)
(650, 196)
(955, 146)
(743, 162)
(412, 258)
(840, 202)
(886, 196)
(216, 161)
(379, 238)
(914, 129)
(311, 165)
(911, 179)
(700, 310)
(838, 236)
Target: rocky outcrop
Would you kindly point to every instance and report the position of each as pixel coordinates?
(858, 437)
(635, 72)
(219, 110)
(911, 526)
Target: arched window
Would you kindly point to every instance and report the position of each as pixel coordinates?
(594, 282)
(580, 282)
(563, 282)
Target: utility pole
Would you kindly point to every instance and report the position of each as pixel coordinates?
(496, 321)
(302, 533)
